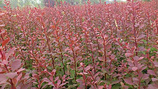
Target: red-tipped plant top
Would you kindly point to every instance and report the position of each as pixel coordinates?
(100, 46)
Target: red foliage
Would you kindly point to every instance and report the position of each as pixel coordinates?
(98, 46)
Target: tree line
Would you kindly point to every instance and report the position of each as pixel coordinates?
(51, 3)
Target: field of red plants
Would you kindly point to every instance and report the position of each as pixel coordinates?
(100, 46)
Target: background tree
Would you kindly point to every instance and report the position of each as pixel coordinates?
(49, 3)
(1, 4)
(22, 3)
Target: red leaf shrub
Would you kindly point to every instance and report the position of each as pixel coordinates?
(83, 46)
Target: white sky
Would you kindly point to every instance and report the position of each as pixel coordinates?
(120, 0)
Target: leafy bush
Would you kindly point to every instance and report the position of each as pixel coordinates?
(100, 46)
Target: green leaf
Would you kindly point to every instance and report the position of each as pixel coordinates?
(153, 49)
(72, 73)
(116, 86)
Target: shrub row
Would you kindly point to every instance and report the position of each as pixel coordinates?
(100, 46)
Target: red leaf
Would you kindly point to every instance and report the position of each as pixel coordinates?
(79, 80)
(128, 54)
(141, 36)
(58, 82)
(154, 79)
(101, 58)
(151, 87)
(11, 51)
(21, 69)
(5, 62)
(46, 80)
(27, 86)
(145, 76)
(112, 56)
(138, 58)
(2, 32)
(151, 72)
(100, 87)
(5, 42)
(14, 80)
(155, 63)
(141, 58)
(2, 25)
(128, 81)
(2, 77)
(11, 75)
(15, 65)
(53, 26)
(53, 72)
(87, 68)
(19, 77)
(110, 86)
(1, 14)
(134, 68)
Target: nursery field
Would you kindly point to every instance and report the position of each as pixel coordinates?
(90, 46)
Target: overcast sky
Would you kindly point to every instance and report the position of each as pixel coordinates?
(120, 0)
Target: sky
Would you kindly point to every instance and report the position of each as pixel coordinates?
(120, 0)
